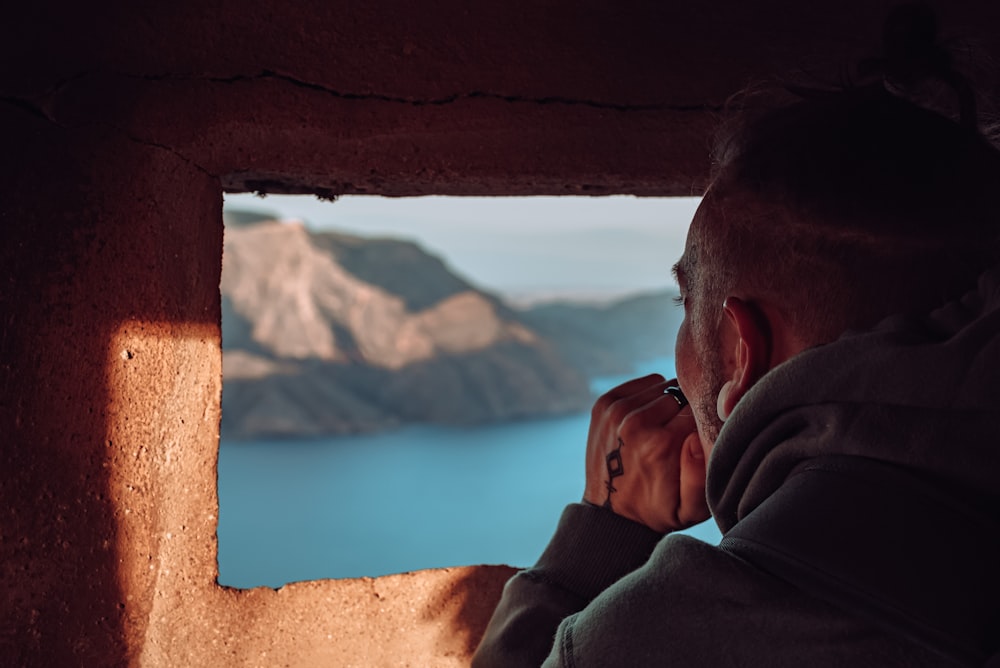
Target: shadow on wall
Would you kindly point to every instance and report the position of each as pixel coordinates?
(63, 604)
(469, 604)
(92, 239)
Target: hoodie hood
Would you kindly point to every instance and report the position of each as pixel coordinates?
(919, 393)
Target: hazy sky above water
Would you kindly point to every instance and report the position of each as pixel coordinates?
(521, 246)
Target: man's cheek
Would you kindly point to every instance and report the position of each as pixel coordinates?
(683, 357)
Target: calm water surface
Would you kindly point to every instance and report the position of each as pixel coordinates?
(420, 497)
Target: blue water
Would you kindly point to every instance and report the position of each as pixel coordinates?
(420, 497)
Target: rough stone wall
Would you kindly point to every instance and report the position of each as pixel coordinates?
(112, 378)
(121, 126)
(387, 97)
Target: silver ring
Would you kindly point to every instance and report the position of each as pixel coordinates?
(676, 393)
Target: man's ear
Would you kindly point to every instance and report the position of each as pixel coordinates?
(751, 352)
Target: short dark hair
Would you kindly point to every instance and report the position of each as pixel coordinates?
(865, 205)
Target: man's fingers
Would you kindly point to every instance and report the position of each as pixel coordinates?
(659, 480)
(643, 407)
(652, 409)
(693, 504)
(635, 385)
(625, 391)
(646, 404)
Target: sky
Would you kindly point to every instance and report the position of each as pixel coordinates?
(524, 247)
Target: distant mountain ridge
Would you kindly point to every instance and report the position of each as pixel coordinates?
(610, 338)
(328, 333)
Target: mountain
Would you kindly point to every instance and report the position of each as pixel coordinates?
(327, 333)
(608, 339)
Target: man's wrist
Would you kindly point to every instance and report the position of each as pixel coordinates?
(593, 547)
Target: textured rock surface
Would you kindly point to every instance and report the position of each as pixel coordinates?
(610, 339)
(328, 334)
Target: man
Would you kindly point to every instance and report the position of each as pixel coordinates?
(841, 350)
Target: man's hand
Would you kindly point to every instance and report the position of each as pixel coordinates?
(644, 458)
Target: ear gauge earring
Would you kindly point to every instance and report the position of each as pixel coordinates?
(720, 403)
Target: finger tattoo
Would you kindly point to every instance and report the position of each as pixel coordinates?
(615, 468)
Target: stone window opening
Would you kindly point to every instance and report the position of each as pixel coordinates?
(298, 379)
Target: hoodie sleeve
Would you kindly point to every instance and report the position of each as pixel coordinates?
(592, 548)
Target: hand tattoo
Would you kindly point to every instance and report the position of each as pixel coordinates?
(615, 468)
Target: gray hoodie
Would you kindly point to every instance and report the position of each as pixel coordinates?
(857, 486)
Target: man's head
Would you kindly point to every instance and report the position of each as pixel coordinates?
(827, 215)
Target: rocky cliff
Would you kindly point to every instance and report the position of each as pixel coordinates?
(609, 339)
(326, 333)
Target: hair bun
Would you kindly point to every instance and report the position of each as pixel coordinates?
(912, 53)
(915, 64)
